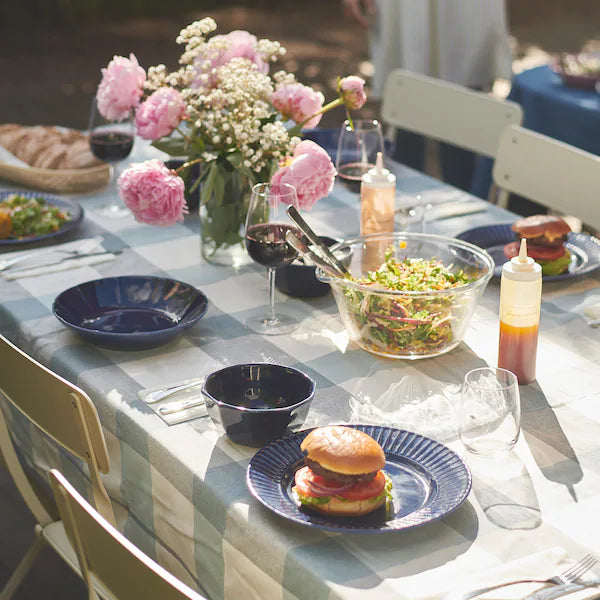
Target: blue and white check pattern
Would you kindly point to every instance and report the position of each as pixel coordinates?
(180, 492)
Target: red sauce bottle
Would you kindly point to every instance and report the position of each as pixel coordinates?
(520, 302)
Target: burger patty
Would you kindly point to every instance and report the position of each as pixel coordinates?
(544, 240)
(338, 477)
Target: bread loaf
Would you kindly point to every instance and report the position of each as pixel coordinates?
(48, 147)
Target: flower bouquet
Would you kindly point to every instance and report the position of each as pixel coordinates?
(220, 108)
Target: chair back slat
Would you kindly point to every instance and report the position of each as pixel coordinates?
(552, 173)
(60, 409)
(107, 558)
(447, 112)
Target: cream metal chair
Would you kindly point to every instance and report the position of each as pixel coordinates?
(109, 562)
(447, 112)
(66, 414)
(552, 173)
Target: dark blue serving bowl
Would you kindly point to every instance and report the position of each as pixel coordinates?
(299, 279)
(135, 312)
(256, 403)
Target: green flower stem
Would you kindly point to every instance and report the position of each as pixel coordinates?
(185, 137)
(296, 130)
(189, 163)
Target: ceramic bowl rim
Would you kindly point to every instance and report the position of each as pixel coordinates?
(244, 409)
(132, 334)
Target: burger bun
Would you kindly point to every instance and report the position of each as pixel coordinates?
(343, 450)
(545, 230)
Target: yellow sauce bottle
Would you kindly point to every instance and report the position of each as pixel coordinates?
(377, 205)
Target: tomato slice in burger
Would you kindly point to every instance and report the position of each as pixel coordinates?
(365, 489)
(308, 483)
(536, 252)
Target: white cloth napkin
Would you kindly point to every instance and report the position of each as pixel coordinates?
(541, 565)
(52, 259)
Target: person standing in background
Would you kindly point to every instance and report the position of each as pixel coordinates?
(460, 41)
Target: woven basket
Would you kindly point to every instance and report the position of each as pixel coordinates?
(57, 180)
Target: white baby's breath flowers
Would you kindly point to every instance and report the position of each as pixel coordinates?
(228, 103)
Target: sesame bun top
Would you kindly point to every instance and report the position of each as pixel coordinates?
(541, 226)
(343, 450)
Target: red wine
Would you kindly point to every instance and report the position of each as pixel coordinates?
(111, 146)
(266, 244)
(351, 173)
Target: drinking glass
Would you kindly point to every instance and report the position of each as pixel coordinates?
(358, 145)
(410, 213)
(266, 226)
(490, 411)
(111, 141)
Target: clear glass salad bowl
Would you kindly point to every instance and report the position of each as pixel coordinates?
(418, 321)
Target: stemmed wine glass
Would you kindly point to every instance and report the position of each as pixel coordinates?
(111, 141)
(358, 145)
(266, 226)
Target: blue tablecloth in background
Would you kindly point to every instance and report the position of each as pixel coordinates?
(550, 107)
(567, 114)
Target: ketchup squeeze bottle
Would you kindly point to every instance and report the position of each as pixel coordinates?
(520, 302)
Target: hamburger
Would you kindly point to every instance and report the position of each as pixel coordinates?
(545, 235)
(342, 474)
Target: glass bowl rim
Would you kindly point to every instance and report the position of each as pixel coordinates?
(398, 236)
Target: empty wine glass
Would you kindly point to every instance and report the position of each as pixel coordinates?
(111, 141)
(266, 226)
(358, 145)
(490, 411)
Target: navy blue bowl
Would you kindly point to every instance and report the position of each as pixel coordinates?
(299, 279)
(134, 312)
(256, 403)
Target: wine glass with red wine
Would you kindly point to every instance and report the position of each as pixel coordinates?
(266, 226)
(111, 141)
(358, 145)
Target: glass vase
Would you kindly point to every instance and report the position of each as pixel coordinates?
(222, 220)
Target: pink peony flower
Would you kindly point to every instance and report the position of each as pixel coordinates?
(241, 44)
(310, 171)
(160, 113)
(154, 193)
(352, 92)
(298, 102)
(121, 87)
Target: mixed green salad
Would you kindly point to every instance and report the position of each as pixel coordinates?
(410, 324)
(23, 217)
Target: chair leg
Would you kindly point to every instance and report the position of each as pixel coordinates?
(23, 568)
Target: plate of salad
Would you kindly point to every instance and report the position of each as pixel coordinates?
(27, 217)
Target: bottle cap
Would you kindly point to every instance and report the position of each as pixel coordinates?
(522, 267)
(379, 176)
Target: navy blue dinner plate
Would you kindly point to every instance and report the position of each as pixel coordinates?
(584, 249)
(133, 312)
(73, 209)
(429, 482)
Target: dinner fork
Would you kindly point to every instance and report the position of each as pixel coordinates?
(570, 575)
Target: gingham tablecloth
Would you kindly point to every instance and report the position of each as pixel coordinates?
(180, 491)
